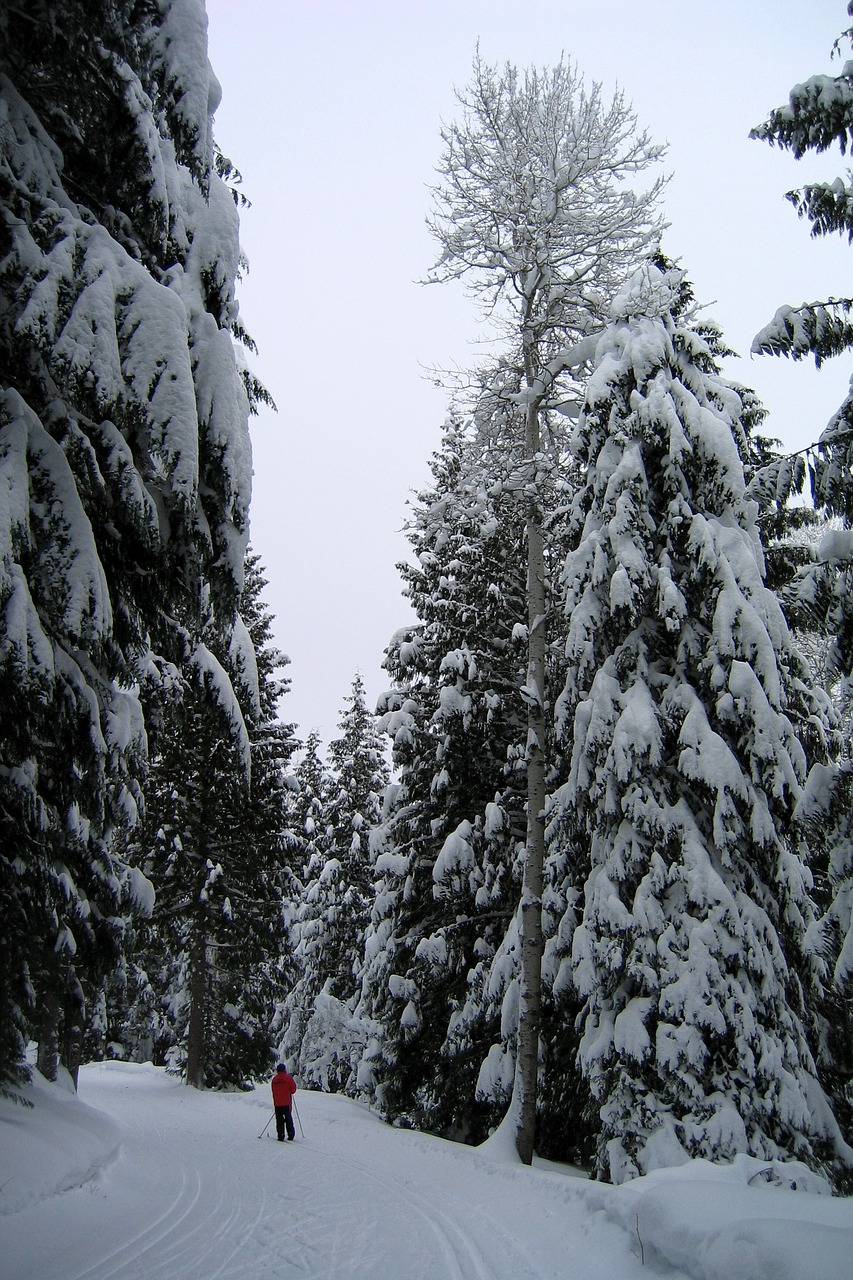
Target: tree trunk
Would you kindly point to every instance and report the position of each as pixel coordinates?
(196, 1047)
(72, 1046)
(48, 1050)
(530, 998)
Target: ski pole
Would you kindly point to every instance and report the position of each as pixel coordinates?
(298, 1117)
(267, 1125)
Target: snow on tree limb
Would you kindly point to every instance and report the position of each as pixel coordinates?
(681, 708)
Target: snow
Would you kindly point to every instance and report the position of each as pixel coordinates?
(32, 461)
(496, 1075)
(241, 651)
(139, 1176)
(139, 889)
(219, 682)
(182, 48)
(456, 856)
(836, 545)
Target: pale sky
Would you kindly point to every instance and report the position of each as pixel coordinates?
(331, 110)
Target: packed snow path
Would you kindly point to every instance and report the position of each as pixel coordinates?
(190, 1191)
(175, 1185)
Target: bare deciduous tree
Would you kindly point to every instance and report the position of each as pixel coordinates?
(536, 212)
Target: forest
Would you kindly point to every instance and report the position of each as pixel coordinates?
(589, 863)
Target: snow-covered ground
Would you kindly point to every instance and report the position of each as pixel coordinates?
(139, 1176)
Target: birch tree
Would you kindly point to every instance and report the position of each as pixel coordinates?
(535, 212)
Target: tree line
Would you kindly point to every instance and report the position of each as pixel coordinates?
(604, 895)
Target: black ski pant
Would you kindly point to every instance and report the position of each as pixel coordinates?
(283, 1118)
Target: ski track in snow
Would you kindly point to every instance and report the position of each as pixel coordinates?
(200, 1216)
(162, 1182)
(191, 1193)
(463, 1259)
(210, 1219)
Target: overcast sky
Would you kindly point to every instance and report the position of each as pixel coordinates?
(331, 110)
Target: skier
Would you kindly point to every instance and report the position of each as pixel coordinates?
(283, 1089)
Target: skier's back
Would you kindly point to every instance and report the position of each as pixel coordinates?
(283, 1089)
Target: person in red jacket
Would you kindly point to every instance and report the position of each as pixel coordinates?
(283, 1089)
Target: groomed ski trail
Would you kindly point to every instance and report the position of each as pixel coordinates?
(189, 1193)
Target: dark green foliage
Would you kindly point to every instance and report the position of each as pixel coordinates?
(214, 844)
(124, 453)
(308, 850)
(567, 1120)
(819, 596)
(338, 805)
(357, 764)
(818, 114)
(820, 329)
(453, 714)
(827, 206)
(442, 958)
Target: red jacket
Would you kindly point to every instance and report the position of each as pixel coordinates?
(283, 1088)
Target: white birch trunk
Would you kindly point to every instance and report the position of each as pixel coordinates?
(530, 1000)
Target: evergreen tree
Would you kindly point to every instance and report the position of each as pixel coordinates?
(255, 962)
(214, 843)
(818, 114)
(124, 454)
(309, 851)
(440, 985)
(198, 777)
(691, 726)
(329, 928)
(454, 715)
(357, 763)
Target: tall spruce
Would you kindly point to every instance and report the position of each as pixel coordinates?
(690, 724)
(360, 771)
(214, 843)
(308, 852)
(818, 115)
(124, 453)
(449, 846)
(255, 964)
(330, 923)
(440, 986)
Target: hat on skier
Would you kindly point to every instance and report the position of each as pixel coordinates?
(281, 1067)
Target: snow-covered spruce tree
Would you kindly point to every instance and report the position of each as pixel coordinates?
(357, 763)
(142, 999)
(818, 114)
(308, 852)
(328, 934)
(213, 841)
(536, 212)
(440, 985)
(123, 449)
(690, 727)
(453, 830)
(253, 962)
(267, 820)
(199, 770)
(569, 1123)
